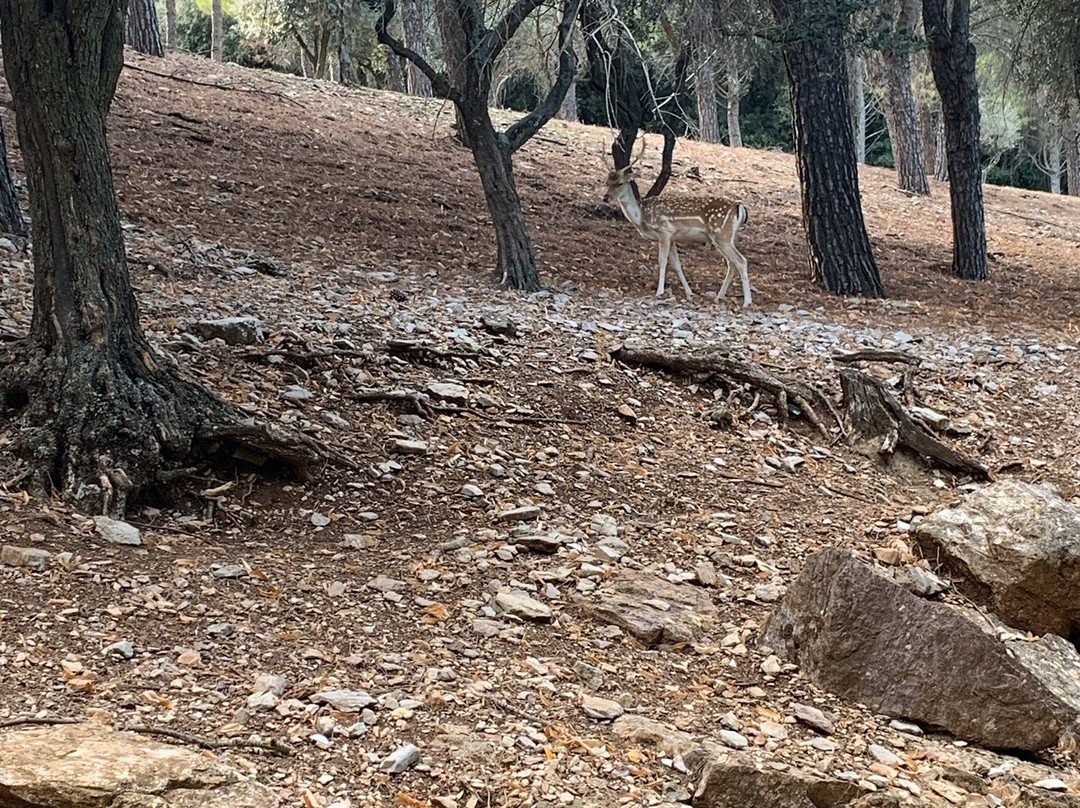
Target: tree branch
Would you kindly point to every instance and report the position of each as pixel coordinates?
(440, 84)
(498, 37)
(528, 126)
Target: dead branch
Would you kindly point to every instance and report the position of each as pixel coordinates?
(26, 721)
(213, 84)
(424, 352)
(275, 746)
(873, 413)
(782, 390)
(876, 355)
(259, 443)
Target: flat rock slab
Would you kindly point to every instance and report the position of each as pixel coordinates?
(1020, 545)
(865, 638)
(735, 782)
(652, 609)
(89, 766)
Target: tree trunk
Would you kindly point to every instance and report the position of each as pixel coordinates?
(1072, 154)
(346, 70)
(11, 220)
(170, 25)
(568, 109)
(839, 249)
(413, 16)
(1055, 157)
(702, 44)
(322, 51)
(734, 93)
(453, 44)
(217, 32)
(141, 30)
(903, 122)
(492, 156)
(395, 76)
(952, 61)
(100, 414)
(858, 107)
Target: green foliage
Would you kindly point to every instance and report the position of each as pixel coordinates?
(766, 109)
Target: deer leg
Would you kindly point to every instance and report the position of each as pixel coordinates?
(675, 262)
(730, 268)
(665, 248)
(735, 260)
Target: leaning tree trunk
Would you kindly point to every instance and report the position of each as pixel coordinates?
(99, 410)
(903, 122)
(568, 109)
(11, 220)
(952, 61)
(841, 259)
(413, 21)
(170, 25)
(141, 30)
(217, 32)
(493, 160)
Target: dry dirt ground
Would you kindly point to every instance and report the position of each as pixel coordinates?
(375, 219)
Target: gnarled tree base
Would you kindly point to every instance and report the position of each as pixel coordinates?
(91, 425)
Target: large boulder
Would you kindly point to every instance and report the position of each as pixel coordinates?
(652, 609)
(736, 782)
(864, 638)
(90, 766)
(1020, 545)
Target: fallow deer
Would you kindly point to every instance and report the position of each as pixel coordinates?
(682, 220)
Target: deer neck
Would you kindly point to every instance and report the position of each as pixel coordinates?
(632, 210)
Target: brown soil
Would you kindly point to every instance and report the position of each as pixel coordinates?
(337, 186)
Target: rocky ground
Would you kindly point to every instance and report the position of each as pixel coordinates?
(510, 479)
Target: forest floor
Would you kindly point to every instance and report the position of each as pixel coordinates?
(381, 579)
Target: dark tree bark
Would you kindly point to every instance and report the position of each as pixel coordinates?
(901, 117)
(101, 413)
(217, 31)
(952, 61)
(11, 220)
(1071, 131)
(858, 107)
(395, 75)
(170, 25)
(840, 257)
(412, 20)
(568, 109)
(471, 50)
(141, 30)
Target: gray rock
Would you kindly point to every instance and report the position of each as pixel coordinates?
(33, 558)
(523, 514)
(446, 391)
(409, 447)
(384, 584)
(705, 573)
(919, 581)
(270, 683)
(488, 628)
(123, 649)
(652, 734)
(635, 601)
(604, 709)
(859, 635)
(735, 740)
(233, 330)
(348, 701)
(547, 543)
(117, 532)
(519, 604)
(611, 548)
(883, 755)
(735, 782)
(228, 570)
(400, 760)
(813, 717)
(589, 675)
(1020, 544)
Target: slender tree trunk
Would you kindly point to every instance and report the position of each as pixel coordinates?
(100, 415)
(322, 51)
(1072, 154)
(453, 44)
(903, 123)
(952, 60)
(734, 94)
(508, 218)
(217, 32)
(413, 16)
(702, 44)
(11, 220)
(840, 256)
(568, 110)
(170, 25)
(1055, 156)
(395, 76)
(858, 107)
(141, 30)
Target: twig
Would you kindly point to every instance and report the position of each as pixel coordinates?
(731, 478)
(1031, 219)
(422, 350)
(215, 85)
(31, 721)
(275, 746)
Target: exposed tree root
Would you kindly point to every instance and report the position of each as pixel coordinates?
(802, 395)
(96, 425)
(873, 413)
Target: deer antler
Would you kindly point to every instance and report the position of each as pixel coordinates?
(641, 151)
